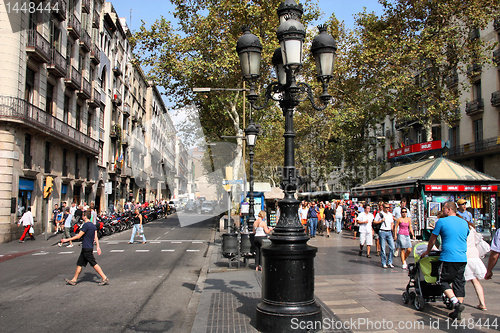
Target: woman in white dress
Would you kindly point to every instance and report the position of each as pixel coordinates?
(475, 269)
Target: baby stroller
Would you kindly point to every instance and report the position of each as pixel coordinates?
(423, 276)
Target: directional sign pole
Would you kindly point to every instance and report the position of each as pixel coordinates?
(229, 226)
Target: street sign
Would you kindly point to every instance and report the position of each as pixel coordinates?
(232, 181)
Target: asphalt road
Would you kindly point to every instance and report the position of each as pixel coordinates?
(150, 287)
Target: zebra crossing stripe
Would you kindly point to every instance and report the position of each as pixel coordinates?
(116, 250)
(167, 250)
(141, 250)
(192, 250)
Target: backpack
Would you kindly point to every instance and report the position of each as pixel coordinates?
(376, 226)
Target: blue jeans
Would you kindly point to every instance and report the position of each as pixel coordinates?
(338, 224)
(386, 237)
(137, 228)
(313, 224)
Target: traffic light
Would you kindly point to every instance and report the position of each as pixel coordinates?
(48, 187)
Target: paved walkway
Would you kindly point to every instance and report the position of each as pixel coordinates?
(355, 293)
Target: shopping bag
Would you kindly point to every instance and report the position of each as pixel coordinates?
(32, 231)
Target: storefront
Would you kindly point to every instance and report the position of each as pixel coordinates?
(24, 199)
(428, 184)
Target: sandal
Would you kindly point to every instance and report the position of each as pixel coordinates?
(104, 282)
(70, 282)
(481, 308)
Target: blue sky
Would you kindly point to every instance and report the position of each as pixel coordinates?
(150, 10)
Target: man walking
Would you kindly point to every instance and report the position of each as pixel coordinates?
(89, 234)
(386, 221)
(313, 219)
(453, 231)
(365, 220)
(27, 222)
(339, 215)
(329, 216)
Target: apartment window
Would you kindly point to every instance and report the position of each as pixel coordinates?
(69, 52)
(55, 36)
(78, 117)
(88, 168)
(420, 136)
(66, 109)
(478, 130)
(77, 172)
(90, 119)
(27, 151)
(49, 106)
(476, 90)
(47, 157)
(103, 79)
(64, 163)
(29, 86)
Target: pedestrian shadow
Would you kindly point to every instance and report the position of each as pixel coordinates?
(233, 295)
(89, 277)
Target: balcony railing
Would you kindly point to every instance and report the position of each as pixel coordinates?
(61, 6)
(117, 69)
(126, 110)
(85, 41)
(474, 69)
(86, 6)
(125, 139)
(57, 64)
(20, 111)
(117, 98)
(96, 19)
(95, 99)
(38, 47)
(86, 89)
(482, 146)
(73, 78)
(474, 107)
(74, 27)
(496, 57)
(495, 98)
(95, 54)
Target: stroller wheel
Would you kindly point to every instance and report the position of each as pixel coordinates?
(406, 297)
(419, 303)
(412, 296)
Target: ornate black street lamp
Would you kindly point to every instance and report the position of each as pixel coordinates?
(288, 263)
(251, 133)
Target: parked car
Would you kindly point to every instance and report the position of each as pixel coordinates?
(190, 207)
(207, 207)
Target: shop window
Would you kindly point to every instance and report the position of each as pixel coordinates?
(26, 187)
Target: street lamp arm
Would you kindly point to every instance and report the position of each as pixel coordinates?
(307, 90)
(271, 90)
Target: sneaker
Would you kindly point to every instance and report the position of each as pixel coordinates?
(21, 241)
(384, 266)
(457, 312)
(396, 253)
(59, 244)
(70, 245)
(378, 254)
(404, 266)
(391, 265)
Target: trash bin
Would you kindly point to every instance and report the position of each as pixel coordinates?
(229, 245)
(247, 249)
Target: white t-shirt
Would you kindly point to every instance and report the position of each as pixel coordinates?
(389, 220)
(397, 212)
(338, 212)
(365, 217)
(303, 213)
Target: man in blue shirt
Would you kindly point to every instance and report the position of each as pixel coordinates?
(89, 234)
(453, 231)
(462, 212)
(313, 219)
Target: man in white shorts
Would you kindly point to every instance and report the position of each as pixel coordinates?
(365, 220)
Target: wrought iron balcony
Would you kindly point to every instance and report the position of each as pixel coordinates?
(117, 98)
(126, 110)
(74, 26)
(38, 47)
(86, 6)
(125, 139)
(95, 54)
(57, 64)
(73, 78)
(495, 98)
(95, 99)
(474, 107)
(86, 89)
(474, 69)
(85, 41)
(96, 19)
(117, 70)
(19, 111)
(61, 6)
(126, 172)
(478, 147)
(496, 57)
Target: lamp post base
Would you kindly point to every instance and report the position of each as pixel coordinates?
(288, 303)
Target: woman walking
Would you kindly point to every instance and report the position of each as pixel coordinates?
(260, 229)
(403, 236)
(137, 227)
(475, 269)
